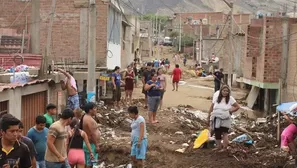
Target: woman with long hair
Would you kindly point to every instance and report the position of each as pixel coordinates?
(116, 81)
(163, 82)
(76, 155)
(221, 109)
(129, 83)
(154, 89)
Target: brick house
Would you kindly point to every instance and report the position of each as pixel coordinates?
(70, 28)
(263, 61)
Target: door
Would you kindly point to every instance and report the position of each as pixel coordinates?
(3, 108)
(32, 106)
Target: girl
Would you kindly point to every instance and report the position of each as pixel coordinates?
(76, 155)
(138, 136)
(129, 80)
(163, 81)
(221, 109)
(154, 89)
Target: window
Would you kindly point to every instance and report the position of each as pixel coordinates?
(114, 26)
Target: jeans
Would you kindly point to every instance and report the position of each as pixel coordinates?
(57, 164)
(217, 85)
(40, 164)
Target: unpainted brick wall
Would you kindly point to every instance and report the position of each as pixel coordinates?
(13, 14)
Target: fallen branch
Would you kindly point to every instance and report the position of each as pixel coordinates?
(243, 130)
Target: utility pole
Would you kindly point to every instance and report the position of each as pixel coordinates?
(159, 30)
(35, 27)
(200, 41)
(150, 28)
(180, 27)
(230, 42)
(91, 82)
(49, 37)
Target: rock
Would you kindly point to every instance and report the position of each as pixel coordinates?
(174, 109)
(188, 121)
(171, 142)
(194, 136)
(182, 150)
(99, 115)
(185, 145)
(179, 133)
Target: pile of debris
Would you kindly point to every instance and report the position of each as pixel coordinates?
(252, 140)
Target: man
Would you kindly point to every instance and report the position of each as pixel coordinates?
(56, 150)
(70, 84)
(156, 63)
(27, 141)
(89, 125)
(146, 76)
(51, 111)
(218, 76)
(38, 134)
(13, 153)
(176, 76)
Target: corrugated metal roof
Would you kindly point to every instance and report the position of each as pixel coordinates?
(7, 86)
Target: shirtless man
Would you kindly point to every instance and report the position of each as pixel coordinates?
(70, 84)
(89, 125)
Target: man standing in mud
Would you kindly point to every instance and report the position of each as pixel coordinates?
(90, 126)
(70, 84)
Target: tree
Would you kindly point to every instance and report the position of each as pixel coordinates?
(187, 41)
(174, 34)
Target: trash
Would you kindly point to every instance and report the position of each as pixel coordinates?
(242, 138)
(261, 120)
(201, 139)
(182, 150)
(179, 133)
(129, 165)
(185, 145)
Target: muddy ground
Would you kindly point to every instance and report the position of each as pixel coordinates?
(178, 125)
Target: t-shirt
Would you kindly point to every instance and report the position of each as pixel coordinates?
(49, 120)
(222, 106)
(117, 78)
(19, 156)
(154, 91)
(39, 139)
(30, 145)
(147, 74)
(219, 75)
(156, 63)
(176, 74)
(135, 125)
(58, 131)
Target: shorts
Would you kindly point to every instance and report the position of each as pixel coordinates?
(73, 102)
(153, 103)
(76, 156)
(162, 94)
(87, 153)
(220, 131)
(139, 153)
(175, 80)
(117, 94)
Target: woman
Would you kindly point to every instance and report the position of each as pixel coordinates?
(221, 109)
(116, 81)
(139, 138)
(167, 64)
(163, 82)
(176, 76)
(129, 83)
(154, 89)
(76, 155)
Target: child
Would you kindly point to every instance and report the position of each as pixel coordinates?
(288, 136)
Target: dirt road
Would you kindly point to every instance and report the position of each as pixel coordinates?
(176, 129)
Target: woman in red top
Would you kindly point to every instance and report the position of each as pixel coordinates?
(176, 75)
(129, 80)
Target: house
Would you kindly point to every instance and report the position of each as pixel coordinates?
(264, 62)
(130, 39)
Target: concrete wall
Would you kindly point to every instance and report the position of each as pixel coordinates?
(290, 92)
(14, 96)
